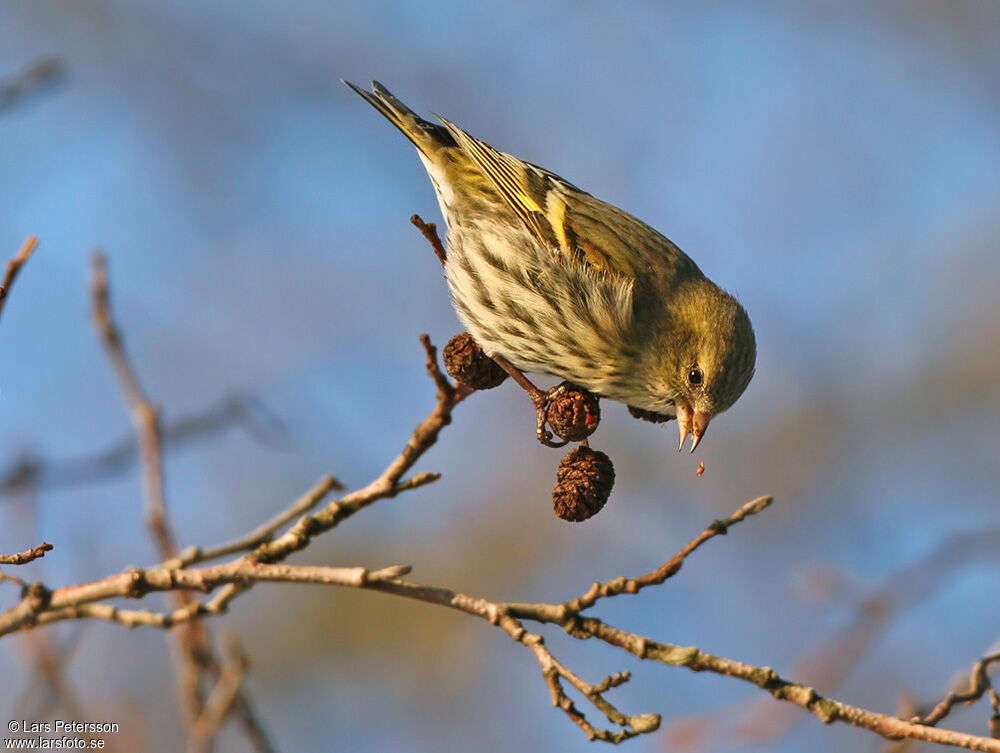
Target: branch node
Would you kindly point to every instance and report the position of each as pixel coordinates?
(644, 723)
(38, 594)
(136, 586)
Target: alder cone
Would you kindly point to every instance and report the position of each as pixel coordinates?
(574, 413)
(583, 484)
(467, 363)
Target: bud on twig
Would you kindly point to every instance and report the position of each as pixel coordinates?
(583, 484)
(466, 362)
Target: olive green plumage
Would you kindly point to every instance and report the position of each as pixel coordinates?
(562, 283)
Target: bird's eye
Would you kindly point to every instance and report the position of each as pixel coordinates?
(695, 377)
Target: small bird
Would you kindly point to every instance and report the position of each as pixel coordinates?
(558, 282)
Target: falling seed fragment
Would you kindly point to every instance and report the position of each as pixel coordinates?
(701, 467)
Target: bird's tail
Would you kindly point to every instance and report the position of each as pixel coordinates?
(429, 138)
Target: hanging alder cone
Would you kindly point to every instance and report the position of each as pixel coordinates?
(574, 413)
(583, 484)
(467, 363)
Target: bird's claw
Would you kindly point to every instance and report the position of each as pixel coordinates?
(539, 399)
(542, 401)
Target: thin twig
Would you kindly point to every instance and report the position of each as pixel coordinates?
(555, 673)
(222, 699)
(144, 413)
(266, 531)
(22, 558)
(192, 645)
(429, 231)
(673, 565)
(8, 578)
(825, 709)
(77, 602)
(40, 606)
(117, 458)
(14, 266)
(388, 484)
(34, 78)
(979, 685)
(828, 662)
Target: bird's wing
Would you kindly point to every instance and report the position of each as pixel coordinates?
(561, 216)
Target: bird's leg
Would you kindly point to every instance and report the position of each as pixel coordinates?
(539, 398)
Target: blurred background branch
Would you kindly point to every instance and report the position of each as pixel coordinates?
(34, 79)
(194, 655)
(118, 458)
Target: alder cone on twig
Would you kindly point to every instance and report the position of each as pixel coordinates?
(583, 484)
(574, 413)
(467, 363)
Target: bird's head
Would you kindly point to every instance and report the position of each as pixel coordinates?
(706, 355)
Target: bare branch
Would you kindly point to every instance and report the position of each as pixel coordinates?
(979, 685)
(39, 606)
(22, 558)
(554, 673)
(262, 551)
(117, 458)
(757, 721)
(389, 482)
(672, 566)
(826, 709)
(14, 266)
(145, 415)
(192, 646)
(429, 231)
(223, 696)
(37, 76)
(266, 531)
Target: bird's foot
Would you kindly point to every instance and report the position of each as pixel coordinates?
(539, 398)
(542, 400)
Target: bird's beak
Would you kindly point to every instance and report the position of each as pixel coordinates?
(693, 422)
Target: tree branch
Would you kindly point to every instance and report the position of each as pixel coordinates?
(193, 652)
(22, 558)
(827, 710)
(672, 566)
(57, 473)
(223, 698)
(39, 75)
(144, 413)
(262, 551)
(429, 231)
(76, 602)
(14, 266)
(979, 685)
